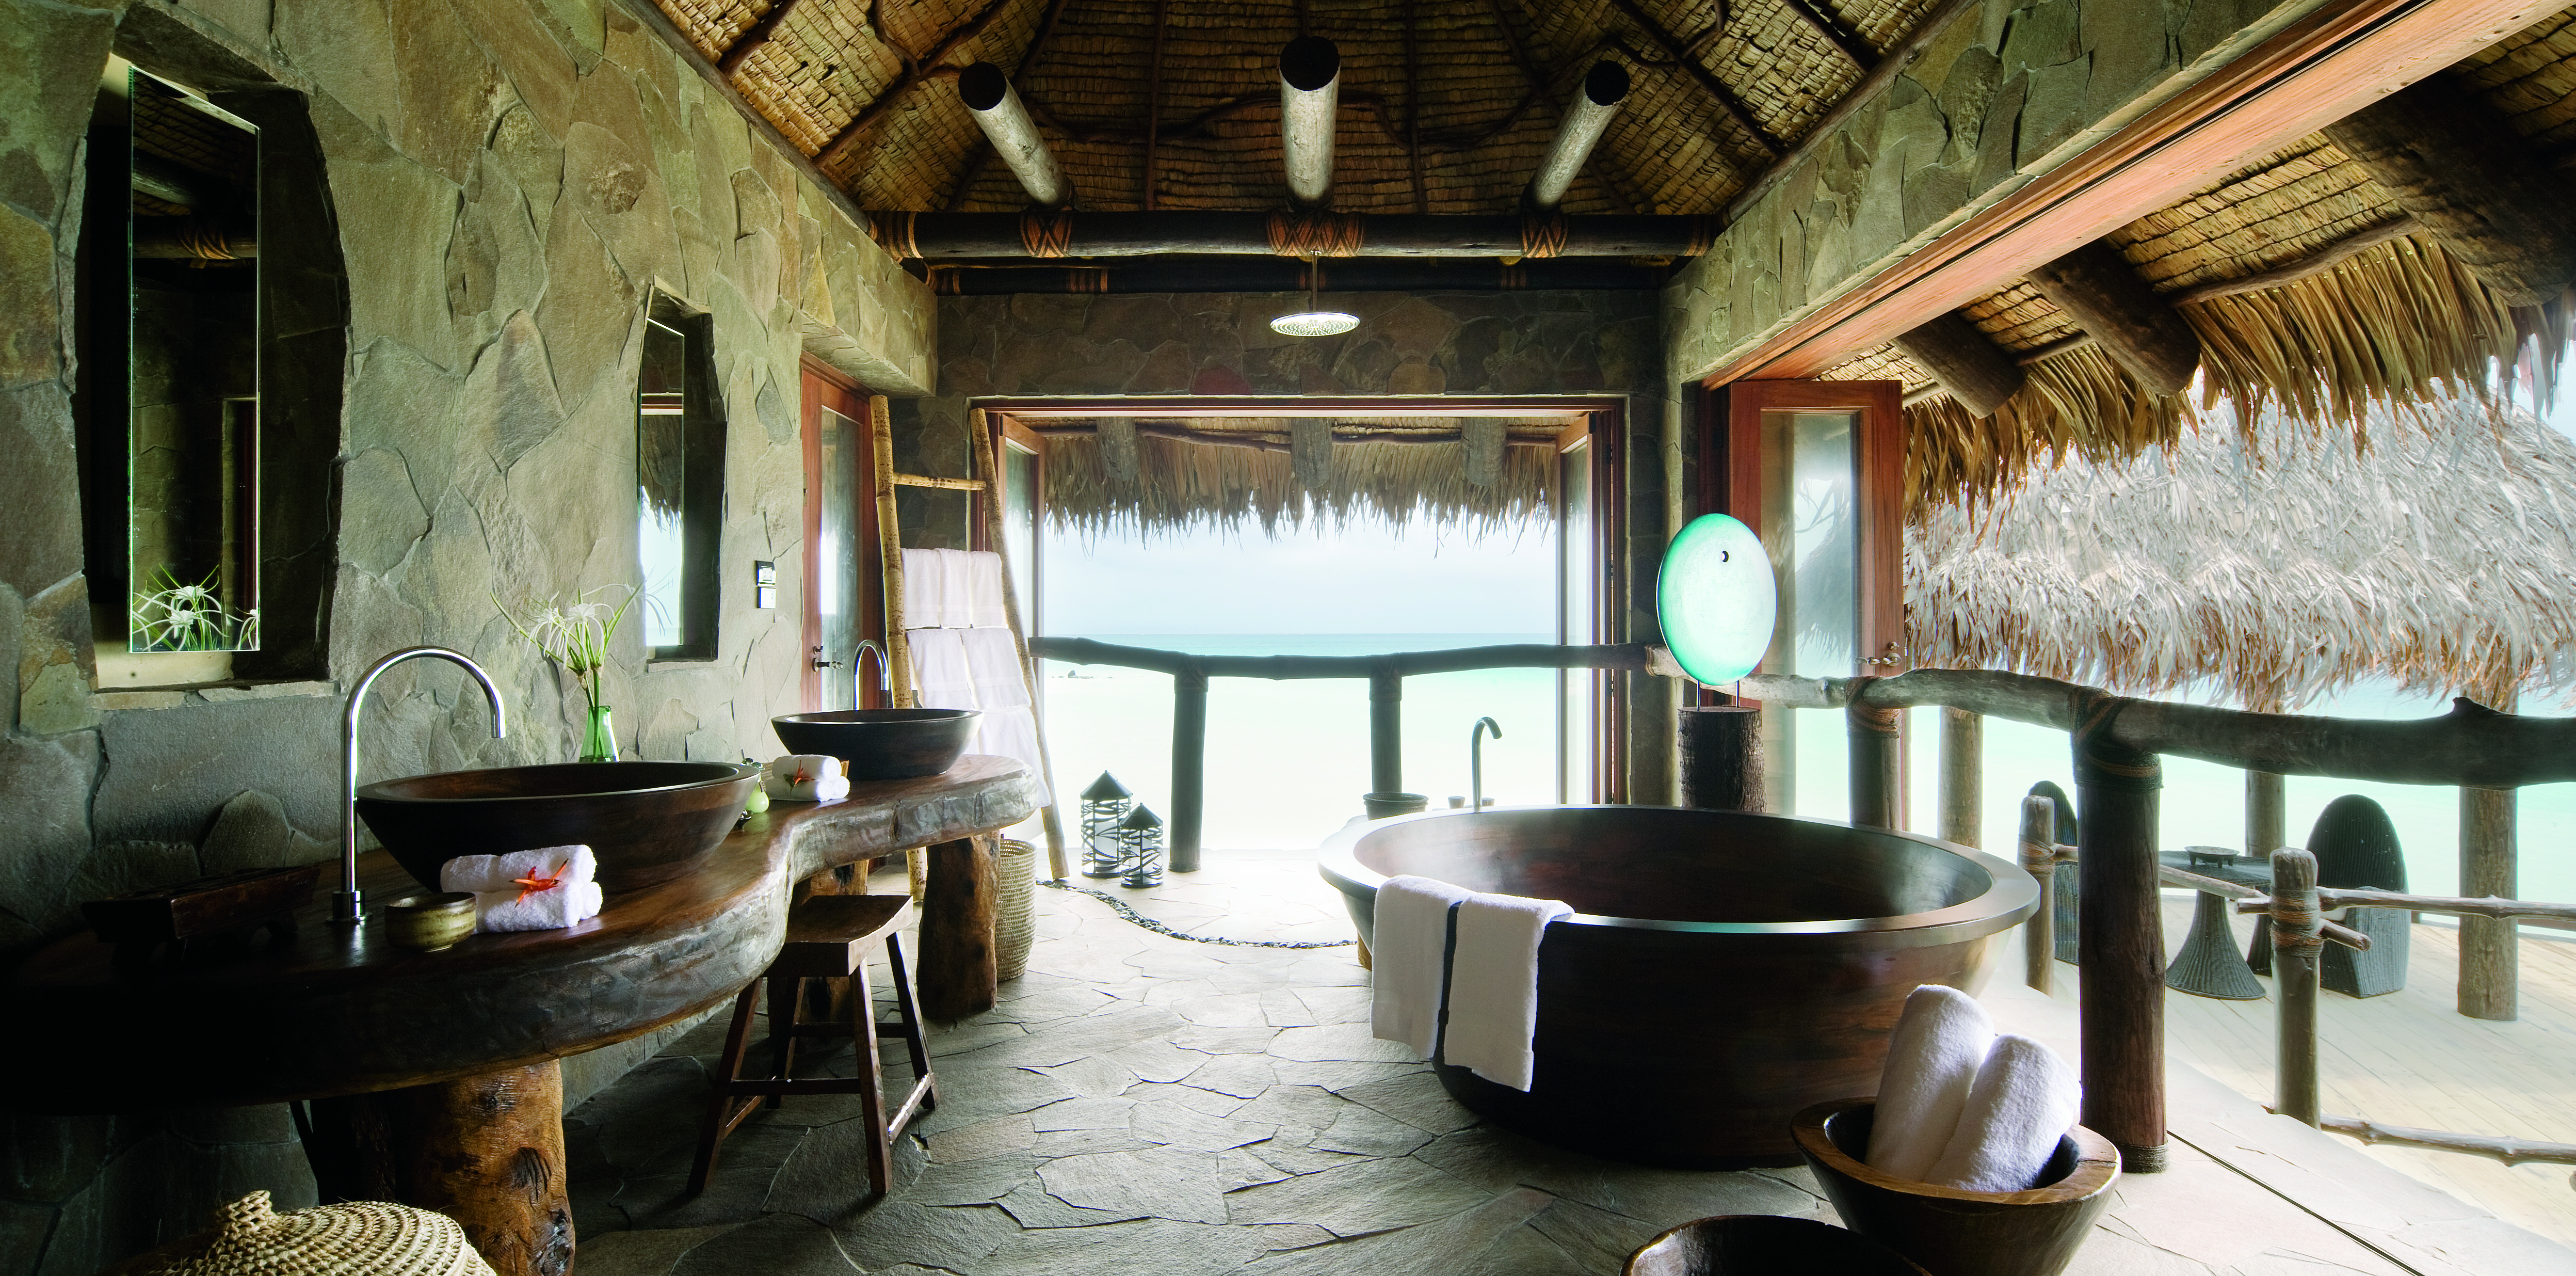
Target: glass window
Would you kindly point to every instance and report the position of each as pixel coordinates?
(1810, 516)
(679, 477)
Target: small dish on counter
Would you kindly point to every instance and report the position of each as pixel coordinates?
(428, 923)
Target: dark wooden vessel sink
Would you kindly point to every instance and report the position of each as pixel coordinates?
(882, 744)
(646, 821)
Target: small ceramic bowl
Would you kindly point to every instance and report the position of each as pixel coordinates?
(430, 922)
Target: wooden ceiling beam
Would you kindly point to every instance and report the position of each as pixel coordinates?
(1849, 45)
(2460, 169)
(754, 37)
(2097, 288)
(1891, 64)
(1707, 80)
(964, 187)
(916, 70)
(1965, 361)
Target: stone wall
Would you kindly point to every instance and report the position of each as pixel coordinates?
(2008, 90)
(1524, 343)
(508, 181)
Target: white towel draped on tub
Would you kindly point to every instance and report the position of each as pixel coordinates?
(1493, 985)
(1408, 945)
(1932, 1060)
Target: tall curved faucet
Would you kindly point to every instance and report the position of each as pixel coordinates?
(344, 901)
(1476, 760)
(859, 663)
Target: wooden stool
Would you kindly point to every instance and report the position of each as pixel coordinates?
(827, 938)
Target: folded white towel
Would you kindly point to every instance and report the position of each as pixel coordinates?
(940, 677)
(1493, 985)
(957, 589)
(806, 777)
(1407, 949)
(993, 665)
(478, 873)
(1932, 1060)
(554, 908)
(984, 585)
(925, 590)
(2025, 1099)
(1010, 733)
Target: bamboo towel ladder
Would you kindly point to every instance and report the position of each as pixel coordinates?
(890, 549)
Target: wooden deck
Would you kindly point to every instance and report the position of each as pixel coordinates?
(2409, 1058)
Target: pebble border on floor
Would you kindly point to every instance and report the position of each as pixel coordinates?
(1161, 929)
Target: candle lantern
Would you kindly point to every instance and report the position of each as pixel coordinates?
(1142, 835)
(1104, 805)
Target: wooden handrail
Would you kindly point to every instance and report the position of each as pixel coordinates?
(2509, 1151)
(2331, 898)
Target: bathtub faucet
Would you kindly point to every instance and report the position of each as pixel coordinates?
(1476, 760)
(858, 668)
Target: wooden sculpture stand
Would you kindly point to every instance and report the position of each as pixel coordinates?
(435, 1075)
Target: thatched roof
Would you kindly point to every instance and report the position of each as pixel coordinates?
(1485, 79)
(2440, 553)
(1185, 483)
(2397, 322)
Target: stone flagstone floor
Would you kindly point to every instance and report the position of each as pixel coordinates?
(1143, 1103)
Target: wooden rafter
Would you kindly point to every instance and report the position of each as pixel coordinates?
(1413, 113)
(1823, 24)
(1154, 104)
(916, 70)
(1891, 64)
(1708, 82)
(1625, 183)
(753, 37)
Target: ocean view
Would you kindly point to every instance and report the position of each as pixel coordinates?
(1287, 761)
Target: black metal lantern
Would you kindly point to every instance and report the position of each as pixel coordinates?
(1104, 804)
(1141, 833)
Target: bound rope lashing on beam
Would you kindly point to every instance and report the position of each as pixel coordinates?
(2102, 762)
(1046, 234)
(1317, 234)
(894, 233)
(1542, 237)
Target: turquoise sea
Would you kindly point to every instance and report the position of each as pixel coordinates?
(1287, 761)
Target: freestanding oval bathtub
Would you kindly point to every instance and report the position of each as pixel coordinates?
(1722, 970)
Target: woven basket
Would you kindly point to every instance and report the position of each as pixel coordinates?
(363, 1238)
(1014, 907)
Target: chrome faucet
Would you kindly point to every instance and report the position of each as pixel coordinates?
(344, 901)
(1476, 760)
(859, 663)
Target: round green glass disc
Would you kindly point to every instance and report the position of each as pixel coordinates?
(1717, 599)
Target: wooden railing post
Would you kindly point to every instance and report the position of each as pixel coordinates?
(1963, 777)
(2120, 937)
(2490, 965)
(1386, 729)
(1877, 761)
(2298, 944)
(2039, 857)
(1189, 768)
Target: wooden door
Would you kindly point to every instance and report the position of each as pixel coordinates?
(844, 598)
(1816, 469)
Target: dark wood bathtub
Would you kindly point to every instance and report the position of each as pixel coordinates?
(1722, 970)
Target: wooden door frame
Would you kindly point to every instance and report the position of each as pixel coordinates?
(1731, 429)
(863, 538)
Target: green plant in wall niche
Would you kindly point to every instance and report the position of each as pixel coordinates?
(574, 637)
(178, 615)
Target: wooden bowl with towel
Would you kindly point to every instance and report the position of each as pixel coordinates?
(1950, 1231)
(1763, 1245)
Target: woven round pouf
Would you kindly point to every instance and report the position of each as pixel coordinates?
(361, 1238)
(1014, 909)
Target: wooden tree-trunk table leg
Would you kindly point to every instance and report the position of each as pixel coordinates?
(957, 973)
(487, 1151)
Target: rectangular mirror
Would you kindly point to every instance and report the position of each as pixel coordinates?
(193, 387)
(679, 482)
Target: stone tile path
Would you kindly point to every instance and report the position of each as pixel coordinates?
(1142, 1103)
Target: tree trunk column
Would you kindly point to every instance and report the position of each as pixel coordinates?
(2490, 960)
(2120, 942)
(1189, 769)
(957, 972)
(487, 1151)
(1386, 730)
(1963, 777)
(1721, 757)
(1877, 761)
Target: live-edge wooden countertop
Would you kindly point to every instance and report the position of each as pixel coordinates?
(332, 1014)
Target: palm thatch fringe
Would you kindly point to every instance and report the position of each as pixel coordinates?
(1182, 484)
(2077, 404)
(2280, 564)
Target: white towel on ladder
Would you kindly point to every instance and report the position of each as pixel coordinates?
(1407, 945)
(940, 679)
(993, 665)
(925, 597)
(1011, 732)
(1493, 986)
(984, 587)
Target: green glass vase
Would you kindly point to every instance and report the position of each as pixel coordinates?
(599, 739)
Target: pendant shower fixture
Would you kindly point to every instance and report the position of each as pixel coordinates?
(1314, 320)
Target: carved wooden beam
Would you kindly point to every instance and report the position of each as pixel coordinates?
(2462, 171)
(1965, 361)
(1197, 273)
(2098, 289)
(955, 236)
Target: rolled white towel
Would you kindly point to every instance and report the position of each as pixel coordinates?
(479, 873)
(2025, 1099)
(1493, 986)
(1408, 947)
(567, 904)
(1932, 1060)
(806, 777)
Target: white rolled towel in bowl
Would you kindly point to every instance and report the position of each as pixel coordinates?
(1932, 1061)
(2024, 1101)
(806, 777)
(480, 873)
(552, 908)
